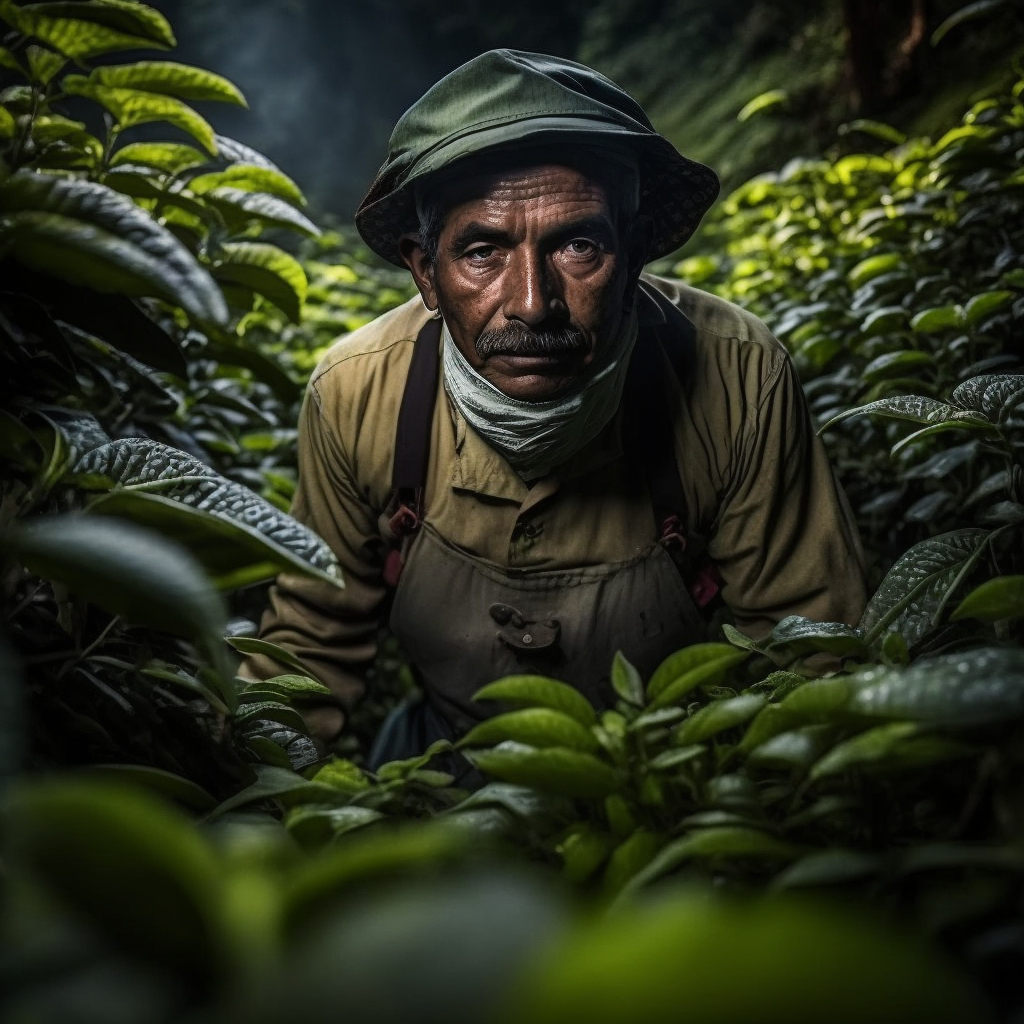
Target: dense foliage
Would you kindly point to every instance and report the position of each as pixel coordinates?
(618, 864)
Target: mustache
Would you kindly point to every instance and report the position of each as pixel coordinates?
(520, 340)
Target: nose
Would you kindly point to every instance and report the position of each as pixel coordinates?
(532, 290)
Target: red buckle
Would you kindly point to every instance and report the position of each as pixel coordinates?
(706, 586)
(404, 521)
(672, 533)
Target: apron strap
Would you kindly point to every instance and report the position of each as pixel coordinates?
(412, 445)
(650, 438)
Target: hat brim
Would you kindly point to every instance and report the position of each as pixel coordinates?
(675, 192)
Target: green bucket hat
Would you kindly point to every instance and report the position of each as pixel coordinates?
(504, 97)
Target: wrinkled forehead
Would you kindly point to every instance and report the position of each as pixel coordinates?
(612, 174)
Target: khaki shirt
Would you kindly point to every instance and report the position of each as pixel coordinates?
(755, 476)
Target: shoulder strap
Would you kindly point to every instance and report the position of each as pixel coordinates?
(412, 436)
(412, 444)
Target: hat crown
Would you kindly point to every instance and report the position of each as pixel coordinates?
(504, 86)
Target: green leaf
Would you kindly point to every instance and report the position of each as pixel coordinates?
(583, 848)
(626, 680)
(995, 599)
(719, 716)
(266, 270)
(239, 207)
(168, 784)
(536, 727)
(289, 687)
(313, 825)
(877, 129)
(233, 552)
(630, 857)
(170, 79)
(996, 396)
(682, 662)
(141, 464)
(915, 587)
(691, 956)
(43, 63)
(553, 770)
(797, 749)
(88, 234)
(266, 649)
(963, 689)
(262, 367)
(941, 428)
(120, 860)
(801, 635)
(709, 672)
(985, 304)
(88, 29)
(540, 691)
(726, 843)
(894, 364)
(941, 318)
(828, 867)
(272, 711)
(164, 156)
(898, 743)
(7, 124)
(913, 408)
(819, 702)
(251, 178)
(129, 571)
(874, 266)
(765, 101)
(131, 107)
(283, 785)
(979, 9)
(343, 775)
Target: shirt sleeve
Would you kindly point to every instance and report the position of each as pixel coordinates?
(332, 630)
(784, 539)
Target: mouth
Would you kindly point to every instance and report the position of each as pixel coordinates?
(519, 364)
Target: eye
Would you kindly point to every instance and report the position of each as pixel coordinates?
(481, 253)
(581, 247)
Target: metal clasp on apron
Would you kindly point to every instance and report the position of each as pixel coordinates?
(524, 634)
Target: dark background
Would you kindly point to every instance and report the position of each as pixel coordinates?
(326, 80)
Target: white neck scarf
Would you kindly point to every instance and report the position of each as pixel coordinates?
(534, 437)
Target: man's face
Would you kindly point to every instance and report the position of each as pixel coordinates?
(530, 277)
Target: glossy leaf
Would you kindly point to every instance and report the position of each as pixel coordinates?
(709, 673)
(719, 716)
(552, 770)
(241, 206)
(963, 689)
(266, 270)
(536, 727)
(141, 464)
(626, 680)
(131, 107)
(128, 570)
(171, 79)
(88, 234)
(915, 587)
(540, 691)
(250, 177)
(233, 552)
(682, 662)
(995, 599)
(165, 156)
(801, 635)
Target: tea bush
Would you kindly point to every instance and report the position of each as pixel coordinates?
(710, 843)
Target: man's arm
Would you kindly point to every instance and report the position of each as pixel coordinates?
(330, 629)
(785, 540)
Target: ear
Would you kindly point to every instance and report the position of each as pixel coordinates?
(420, 267)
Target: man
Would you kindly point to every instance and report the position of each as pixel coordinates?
(548, 457)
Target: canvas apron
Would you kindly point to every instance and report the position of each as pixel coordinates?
(463, 622)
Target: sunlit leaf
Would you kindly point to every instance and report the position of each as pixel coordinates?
(169, 78)
(540, 691)
(266, 270)
(995, 599)
(536, 727)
